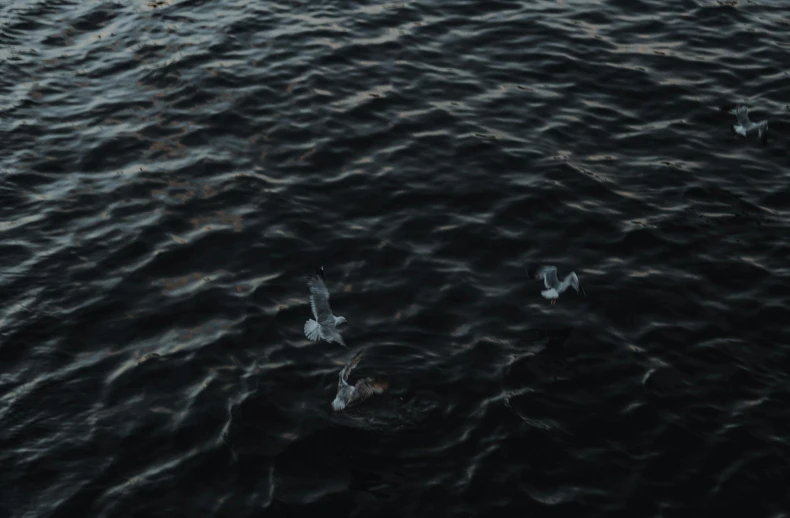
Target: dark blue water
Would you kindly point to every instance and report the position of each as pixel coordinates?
(172, 171)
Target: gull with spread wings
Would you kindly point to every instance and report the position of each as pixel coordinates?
(745, 126)
(548, 274)
(325, 324)
(348, 395)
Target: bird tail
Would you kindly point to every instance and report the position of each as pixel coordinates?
(550, 293)
(312, 330)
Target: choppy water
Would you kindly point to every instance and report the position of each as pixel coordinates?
(171, 173)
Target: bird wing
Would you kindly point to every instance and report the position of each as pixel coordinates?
(367, 387)
(319, 301)
(549, 276)
(741, 115)
(763, 132)
(350, 366)
(570, 280)
(330, 333)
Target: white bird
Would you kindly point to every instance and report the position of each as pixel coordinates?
(745, 126)
(325, 324)
(348, 395)
(553, 286)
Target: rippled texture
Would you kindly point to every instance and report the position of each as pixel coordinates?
(171, 172)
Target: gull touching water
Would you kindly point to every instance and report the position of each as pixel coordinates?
(745, 126)
(348, 395)
(325, 324)
(553, 286)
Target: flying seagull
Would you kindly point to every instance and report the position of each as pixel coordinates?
(553, 285)
(325, 324)
(348, 395)
(745, 126)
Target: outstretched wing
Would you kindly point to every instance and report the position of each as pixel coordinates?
(367, 387)
(570, 280)
(331, 334)
(350, 366)
(763, 132)
(549, 276)
(741, 115)
(319, 300)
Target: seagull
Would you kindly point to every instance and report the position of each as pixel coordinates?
(553, 286)
(348, 395)
(745, 126)
(325, 324)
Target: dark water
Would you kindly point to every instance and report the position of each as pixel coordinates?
(171, 174)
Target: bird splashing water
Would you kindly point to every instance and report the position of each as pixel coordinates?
(348, 395)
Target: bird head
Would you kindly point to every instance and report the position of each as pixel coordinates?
(340, 320)
(338, 404)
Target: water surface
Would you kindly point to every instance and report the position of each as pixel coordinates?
(172, 171)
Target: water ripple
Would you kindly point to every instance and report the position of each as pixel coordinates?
(173, 169)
